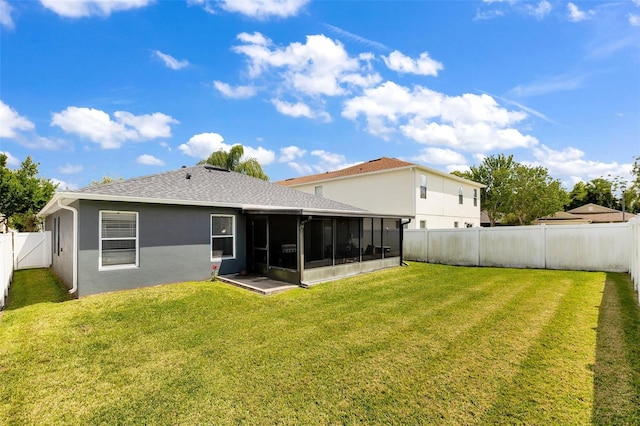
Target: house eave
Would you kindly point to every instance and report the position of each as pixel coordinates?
(409, 167)
(69, 197)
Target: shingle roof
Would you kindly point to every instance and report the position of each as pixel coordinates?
(384, 163)
(206, 185)
(592, 208)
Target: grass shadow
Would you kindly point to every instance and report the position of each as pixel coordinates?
(32, 286)
(617, 368)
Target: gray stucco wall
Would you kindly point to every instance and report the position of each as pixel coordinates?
(174, 241)
(62, 259)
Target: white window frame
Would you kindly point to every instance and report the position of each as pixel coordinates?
(211, 237)
(136, 238)
(318, 191)
(423, 185)
(460, 195)
(475, 197)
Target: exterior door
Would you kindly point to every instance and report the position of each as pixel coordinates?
(260, 244)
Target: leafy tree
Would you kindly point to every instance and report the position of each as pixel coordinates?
(232, 160)
(534, 193)
(23, 194)
(514, 192)
(495, 173)
(578, 195)
(105, 180)
(632, 194)
(600, 191)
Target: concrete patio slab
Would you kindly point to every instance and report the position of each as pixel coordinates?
(257, 283)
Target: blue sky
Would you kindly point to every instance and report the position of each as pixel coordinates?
(124, 88)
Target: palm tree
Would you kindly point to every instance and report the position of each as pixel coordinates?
(232, 160)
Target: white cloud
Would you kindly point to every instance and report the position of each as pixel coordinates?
(83, 8)
(263, 155)
(298, 109)
(440, 156)
(68, 169)
(423, 65)
(11, 122)
(263, 9)
(570, 162)
(255, 38)
(541, 10)
(170, 61)
(550, 84)
(329, 161)
(204, 144)
(149, 160)
(205, 4)
(355, 37)
(64, 186)
(238, 92)
(574, 14)
(290, 153)
(470, 122)
(98, 127)
(634, 19)
(318, 67)
(5, 15)
(11, 160)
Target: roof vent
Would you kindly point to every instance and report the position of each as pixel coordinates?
(219, 169)
(184, 167)
(188, 176)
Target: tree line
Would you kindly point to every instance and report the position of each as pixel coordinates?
(517, 194)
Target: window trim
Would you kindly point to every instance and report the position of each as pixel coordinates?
(460, 195)
(102, 267)
(423, 188)
(475, 197)
(211, 237)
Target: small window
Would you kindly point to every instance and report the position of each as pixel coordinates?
(423, 186)
(318, 191)
(118, 239)
(456, 224)
(223, 240)
(475, 198)
(460, 195)
(423, 224)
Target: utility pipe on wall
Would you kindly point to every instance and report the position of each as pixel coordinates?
(74, 286)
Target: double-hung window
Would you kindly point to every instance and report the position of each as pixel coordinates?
(118, 239)
(423, 186)
(223, 237)
(460, 195)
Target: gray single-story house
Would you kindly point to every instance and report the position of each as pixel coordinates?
(175, 226)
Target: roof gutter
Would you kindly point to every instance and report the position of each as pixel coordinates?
(74, 287)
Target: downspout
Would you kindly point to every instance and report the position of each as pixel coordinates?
(402, 224)
(74, 287)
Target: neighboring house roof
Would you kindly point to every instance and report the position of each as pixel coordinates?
(562, 218)
(592, 209)
(374, 166)
(209, 186)
(600, 214)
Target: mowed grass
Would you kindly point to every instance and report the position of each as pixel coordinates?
(412, 345)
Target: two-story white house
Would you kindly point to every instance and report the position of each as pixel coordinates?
(434, 199)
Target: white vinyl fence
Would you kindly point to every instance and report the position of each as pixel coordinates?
(6, 266)
(22, 250)
(597, 247)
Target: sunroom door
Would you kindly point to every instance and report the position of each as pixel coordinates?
(260, 244)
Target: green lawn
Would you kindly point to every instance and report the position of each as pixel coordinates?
(412, 345)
